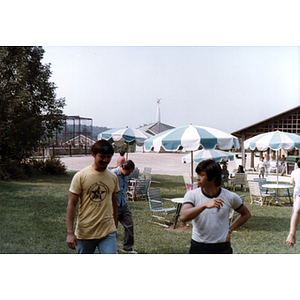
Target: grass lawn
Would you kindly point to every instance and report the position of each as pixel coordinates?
(33, 220)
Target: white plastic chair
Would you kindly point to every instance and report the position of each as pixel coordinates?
(239, 179)
(256, 195)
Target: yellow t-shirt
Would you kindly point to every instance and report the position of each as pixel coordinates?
(95, 214)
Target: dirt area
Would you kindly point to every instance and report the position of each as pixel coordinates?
(161, 163)
(181, 228)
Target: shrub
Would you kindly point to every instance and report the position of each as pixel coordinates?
(10, 169)
(54, 166)
(31, 167)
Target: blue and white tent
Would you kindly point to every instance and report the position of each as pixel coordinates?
(121, 136)
(200, 155)
(190, 138)
(274, 140)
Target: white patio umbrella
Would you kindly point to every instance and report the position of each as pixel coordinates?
(191, 138)
(121, 136)
(200, 155)
(274, 140)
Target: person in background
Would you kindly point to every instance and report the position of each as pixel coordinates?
(295, 179)
(240, 169)
(282, 165)
(121, 159)
(124, 213)
(225, 174)
(208, 207)
(262, 168)
(95, 188)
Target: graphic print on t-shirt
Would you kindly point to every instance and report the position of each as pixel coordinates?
(98, 192)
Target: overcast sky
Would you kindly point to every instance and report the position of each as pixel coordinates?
(111, 60)
(227, 88)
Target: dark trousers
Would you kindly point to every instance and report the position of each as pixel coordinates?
(125, 218)
(202, 248)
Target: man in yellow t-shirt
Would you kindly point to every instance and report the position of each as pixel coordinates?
(95, 188)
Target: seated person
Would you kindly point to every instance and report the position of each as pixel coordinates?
(225, 174)
(240, 169)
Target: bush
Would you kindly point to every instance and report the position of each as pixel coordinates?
(32, 167)
(54, 166)
(11, 169)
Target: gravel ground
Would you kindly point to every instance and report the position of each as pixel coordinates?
(161, 163)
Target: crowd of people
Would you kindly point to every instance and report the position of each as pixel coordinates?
(101, 196)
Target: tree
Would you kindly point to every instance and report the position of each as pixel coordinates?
(29, 110)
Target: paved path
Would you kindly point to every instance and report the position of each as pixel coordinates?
(161, 163)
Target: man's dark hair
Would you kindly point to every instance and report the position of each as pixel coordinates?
(122, 153)
(128, 165)
(212, 169)
(298, 163)
(102, 147)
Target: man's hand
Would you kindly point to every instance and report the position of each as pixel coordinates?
(215, 202)
(228, 238)
(72, 241)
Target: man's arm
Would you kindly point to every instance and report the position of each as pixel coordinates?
(190, 212)
(244, 216)
(115, 207)
(71, 212)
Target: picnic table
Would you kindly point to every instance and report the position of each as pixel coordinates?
(277, 187)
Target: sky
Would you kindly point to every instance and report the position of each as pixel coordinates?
(221, 64)
(224, 87)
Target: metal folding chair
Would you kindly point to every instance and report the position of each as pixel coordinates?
(157, 208)
(138, 189)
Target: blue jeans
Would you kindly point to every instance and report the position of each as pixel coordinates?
(106, 245)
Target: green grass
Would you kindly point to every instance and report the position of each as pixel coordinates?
(33, 220)
(33, 214)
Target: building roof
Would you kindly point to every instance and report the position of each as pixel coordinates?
(155, 128)
(82, 138)
(158, 126)
(288, 121)
(78, 118)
